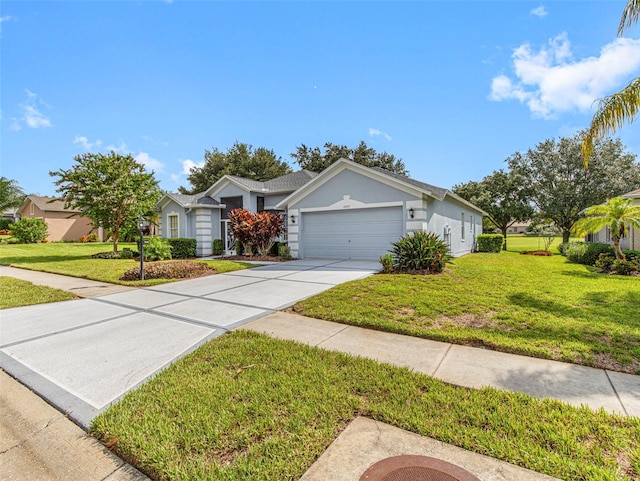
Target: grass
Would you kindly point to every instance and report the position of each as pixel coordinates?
(16, 293)
(74, 259)
(538, 306)
(520, 242)
(246, 406)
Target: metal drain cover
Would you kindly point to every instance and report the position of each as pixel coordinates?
(415, 468)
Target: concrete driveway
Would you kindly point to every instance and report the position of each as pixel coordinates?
(83, 355)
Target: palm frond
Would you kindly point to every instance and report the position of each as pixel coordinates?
(630, 15)
(613, 111)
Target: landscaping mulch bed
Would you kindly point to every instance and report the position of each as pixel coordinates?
(256, 258)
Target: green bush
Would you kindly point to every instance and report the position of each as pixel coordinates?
(168, 270)
(127, 253)
(157, 249)
(623, 268)
(387, 263)
(562, 248)
(5, 224)
(29, 230)
(420, 251)
(218, 247)
(587, 254)
(274, 249)
(284, 251)
(604, 262)
(631, 255)
(490, 242)
(239, 248)
(182, 248)
(106, 255)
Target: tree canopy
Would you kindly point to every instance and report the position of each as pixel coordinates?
(621, 107)
(559, 185)
(112, 190)
(11, 194)
(242, 160)
(502, 195)
(317, 159)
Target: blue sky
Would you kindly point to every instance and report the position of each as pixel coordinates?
(451, 87)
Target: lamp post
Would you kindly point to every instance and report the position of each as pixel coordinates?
(142, 225)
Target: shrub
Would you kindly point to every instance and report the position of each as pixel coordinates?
(157, 249)
(5, 224)
(168, 270)
(623, 268)
(218, 247)
(284, 251)
(562, 248)
(182, 248)
(387, 263)
(106, 255)
(30, 230)
(631, 255)
(420, 251)
(490, 242)
(274, 249)
(127, 253)
(5, 232)
(239, 248)
(255, 229)
(604, 262)
(12, 240)
(587, 254)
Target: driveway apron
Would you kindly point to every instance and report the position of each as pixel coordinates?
(85, 354)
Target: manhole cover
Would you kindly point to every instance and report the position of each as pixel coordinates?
(415, 468)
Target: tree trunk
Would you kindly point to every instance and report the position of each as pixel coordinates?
(566, 233)
(114, 236)
(616, 248)
(504, 234)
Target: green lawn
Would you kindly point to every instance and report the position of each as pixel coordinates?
(74, 259)
(539, 306)
(246, 406)
(521, 242)
(16, 293)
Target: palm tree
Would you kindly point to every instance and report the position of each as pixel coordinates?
(618, 214)
(619, 108)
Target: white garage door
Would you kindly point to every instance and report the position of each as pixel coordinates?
(354, 234)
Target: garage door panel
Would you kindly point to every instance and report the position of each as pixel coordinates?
(355, 234)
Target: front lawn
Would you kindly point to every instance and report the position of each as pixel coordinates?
(246, 406)
(16, 293)
(539, 306)
(74, 259)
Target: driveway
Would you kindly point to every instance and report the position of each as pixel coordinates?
(83, 355)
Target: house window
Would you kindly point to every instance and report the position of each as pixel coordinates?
(230, 203)
(462, 225)
(260, 206)
(608, 233)
(31, 209)
(470, 224)
(174, 231)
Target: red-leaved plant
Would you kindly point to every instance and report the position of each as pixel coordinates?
(255, 229)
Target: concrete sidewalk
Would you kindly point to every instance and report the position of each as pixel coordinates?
(78, 286)
(615, 392)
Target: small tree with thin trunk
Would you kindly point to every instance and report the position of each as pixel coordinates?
(112, 190)
(618, 214)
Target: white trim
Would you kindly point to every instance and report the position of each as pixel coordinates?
(221, 183)
(360, 205)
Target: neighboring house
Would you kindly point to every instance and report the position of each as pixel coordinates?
(348, 211)
(518, 227)
(630, 241)
(60, 224)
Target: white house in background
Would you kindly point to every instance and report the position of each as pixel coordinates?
(632, 240)
(347, 211)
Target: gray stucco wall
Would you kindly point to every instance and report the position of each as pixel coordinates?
(448, 214)
(232, 190)
(169, 209)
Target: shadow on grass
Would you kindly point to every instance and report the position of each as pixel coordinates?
(22, 260)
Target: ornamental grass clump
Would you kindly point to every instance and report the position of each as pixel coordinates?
(420, 251)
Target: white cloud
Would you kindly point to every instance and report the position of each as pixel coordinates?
(188, 164)
(549, 81)
(149, 162)
(86, 144)
(375, 132)
(6, 18)
(120, 149)
(539, 11)
(31, 117)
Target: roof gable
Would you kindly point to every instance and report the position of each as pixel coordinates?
(47, 204)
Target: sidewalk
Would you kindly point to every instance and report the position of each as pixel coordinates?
(38, 442)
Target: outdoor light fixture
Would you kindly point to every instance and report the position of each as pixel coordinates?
(411, 212)
(142, 225)
(293, 219)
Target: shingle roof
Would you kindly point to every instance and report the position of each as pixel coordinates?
(633, 193)
(284, 183)
(49, 203)
(437, 192)
(185, 200)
